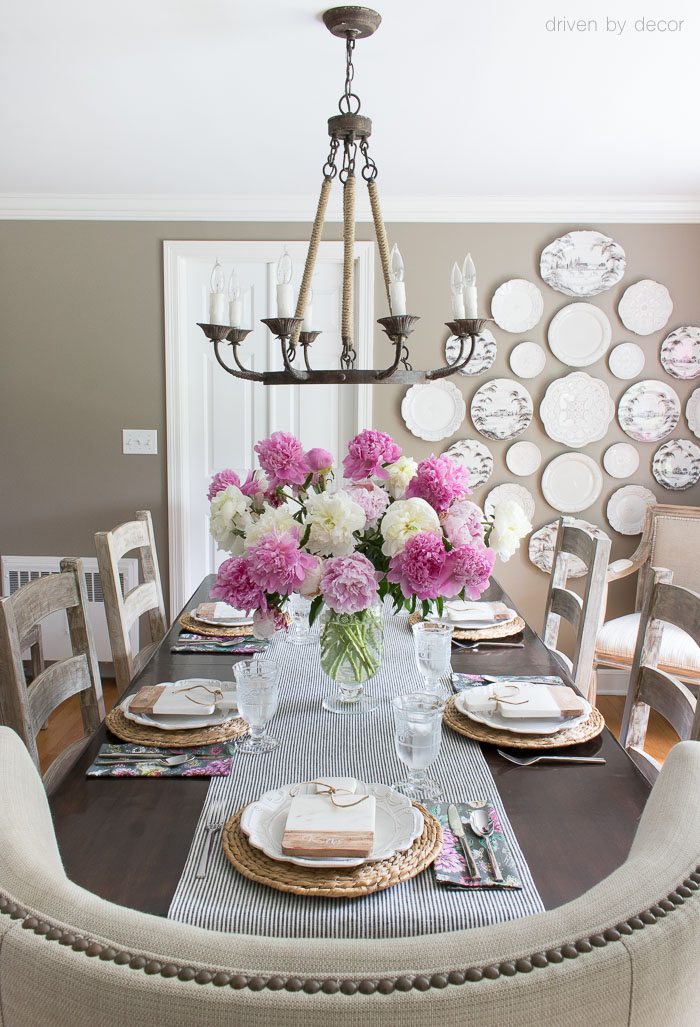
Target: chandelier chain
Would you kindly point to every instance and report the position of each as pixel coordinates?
(329, 168)
(370, 169)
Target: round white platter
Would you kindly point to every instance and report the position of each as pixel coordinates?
(501, 409)
(582, 263)
(524, 726)
(649, 411)
(223, 622)
(571, 482)
(517, 305)
(523, 458)
(518, 493)
(433, 410)
(577, 409)
(676, 464)
(396, 825)
(171, 722)
(621, 460)
(626, 360)
(627, 508)
(680, 353)
(579, 334)
(481, 359)
(692, 412)
(464, 615)
(645, 307)
(527, 360)
(475, 456)
(542, 543)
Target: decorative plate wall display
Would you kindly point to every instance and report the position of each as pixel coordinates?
(680, 353)
(517, 305)
(523, 458)
(649, 411)
(433, 410)
(577, 409)
(543, 541)
(481, 359)
(582, 263)
(645, 307)
(626, 360)
(519, 493)
(571, 482)
(579, 334)
(476, 457)
(627, 508)
(501, 409)
(527, 360)
(676, 464)
(621, 460)
(692, 412)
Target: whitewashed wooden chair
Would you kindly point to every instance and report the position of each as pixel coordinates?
(671, 539)
(123, 611)
(26, 708)
(583, 612)
(663, 603)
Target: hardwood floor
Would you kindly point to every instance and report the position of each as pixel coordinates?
(660, 735)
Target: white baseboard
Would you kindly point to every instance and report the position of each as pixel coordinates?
(612, 681)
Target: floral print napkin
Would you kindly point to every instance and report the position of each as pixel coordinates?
(460, 681)
(450, 867)
(191, 643)
(211, 761)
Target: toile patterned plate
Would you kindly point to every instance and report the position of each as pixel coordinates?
(542, 542)
(475, 456)
(649, 411)
(501, 409)
(481, 359)
(680, 353)
(582, 263)
(676, 464)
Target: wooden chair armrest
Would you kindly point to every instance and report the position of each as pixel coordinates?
(621, 569)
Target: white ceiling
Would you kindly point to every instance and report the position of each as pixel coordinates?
(224, 98)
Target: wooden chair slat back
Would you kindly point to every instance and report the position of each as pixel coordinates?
(54, 685)
(41, 597)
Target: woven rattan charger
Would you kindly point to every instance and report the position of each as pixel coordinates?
(583, 732)
(512, 627)
(346, 883)
(198, 627)
(130, 731)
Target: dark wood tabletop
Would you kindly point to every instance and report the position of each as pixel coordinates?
(127, 839)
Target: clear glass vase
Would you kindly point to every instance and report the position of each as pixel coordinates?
(352, 651)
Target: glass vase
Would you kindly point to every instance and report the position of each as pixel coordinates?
(352, 651)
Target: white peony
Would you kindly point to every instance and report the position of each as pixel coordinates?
(229, 514)
(510, 524)
(403, 520)
(332, 518)
(400, 473)
(275, 518)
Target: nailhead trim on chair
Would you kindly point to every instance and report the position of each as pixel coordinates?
(363, 986)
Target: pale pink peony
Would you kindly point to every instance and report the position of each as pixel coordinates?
(439, 480)
(420, 567)
(277, 563)
(222, 480)
(283, 459)
(468, 567)
(367, 452)
(311, 584)
(267, 621)
(373, 500)
(349, 583)
(462, 523)
(254, 487)
(236, 585)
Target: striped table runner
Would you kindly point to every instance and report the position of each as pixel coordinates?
(315, 743)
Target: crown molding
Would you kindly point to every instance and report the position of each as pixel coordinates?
(661, 209)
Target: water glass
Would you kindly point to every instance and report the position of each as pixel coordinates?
(299, 631)
(417, 735)
(433, 647)
(257, 684)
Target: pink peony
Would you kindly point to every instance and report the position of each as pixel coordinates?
(222, 480)
(311, 584)
(277, 563)
(462, 523)
(267, 621)
(371, 498)
(254, 487)
(439, 480)
(367, 452)
(349, 583)
(283, 459)
(236, 585)
(319, 460)
(420, 567)
(468, 567)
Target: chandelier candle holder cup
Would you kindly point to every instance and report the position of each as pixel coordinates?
(350, 131)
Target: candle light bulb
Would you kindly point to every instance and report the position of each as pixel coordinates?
(234, 286)
(218, 279)
(284, 268)
(456, 280)
(469, 270)
(217, 296)
(395, 264)
(469, 277)
(235, 306)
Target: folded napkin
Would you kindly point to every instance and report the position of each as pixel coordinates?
(212, 761)
(460, 681)
(191, 643)
(458, 611)
(450, 867)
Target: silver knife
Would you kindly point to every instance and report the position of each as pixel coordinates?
(457, 829)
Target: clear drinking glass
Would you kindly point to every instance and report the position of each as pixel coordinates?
(257, 683)
(417, 735)
(433, 648)
(299, 631)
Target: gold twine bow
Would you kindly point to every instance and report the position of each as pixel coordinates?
(216, 692)
(331, 791)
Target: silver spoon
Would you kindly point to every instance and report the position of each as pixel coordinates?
(165, 761)
(481, 825)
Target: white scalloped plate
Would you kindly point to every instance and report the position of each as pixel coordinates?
(692, 412)
(481, 359)
(626, 360)
(527, 360)
(621, 460)
(571, 482)
(577, 409)
(523, 458)
(171, 722)
(627, 508)
(501, 409)
(645, 307)
(579, 334)
(519, 493)
(433, 410)
(526, 726)
(517, 305)
(475, 456)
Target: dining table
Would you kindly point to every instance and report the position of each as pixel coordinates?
(127, 839)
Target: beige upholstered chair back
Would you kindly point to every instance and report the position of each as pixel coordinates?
(146, 598)
(671, 539)
(624, 953)
(24, 708)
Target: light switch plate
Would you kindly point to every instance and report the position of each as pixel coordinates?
(139, 440)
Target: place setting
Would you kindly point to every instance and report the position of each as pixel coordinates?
(215, 627)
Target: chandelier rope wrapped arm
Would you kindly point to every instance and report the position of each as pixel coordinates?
(349, 132)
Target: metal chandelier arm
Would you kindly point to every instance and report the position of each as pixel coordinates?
(242, 372)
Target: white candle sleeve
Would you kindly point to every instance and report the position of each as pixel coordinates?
(217, 308)
(470, 297)
(285, 300)
(235, 313)
(458, 305)
(397, 294)
(307, 325)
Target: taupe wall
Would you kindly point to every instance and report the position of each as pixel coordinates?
(82, 332)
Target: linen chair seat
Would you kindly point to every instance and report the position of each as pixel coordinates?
(617, 639)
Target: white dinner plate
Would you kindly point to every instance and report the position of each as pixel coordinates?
(582, 263)
(526, 726)
(626, 360)
(577, 409)
(680, 352)
(517, 305)
(523, 458)
(472, 622)
(692, 412)
(621, 460)
(649, 411)
(481, 359)
(178, 723)
(645, 307)
(527, 360)
(223, 622)
(475, 456)
(627, 508)
(571, 482)
(397, 824)
(579, 334)
(519, 493)
(501, 409)
(542, 542)
(433, 410)
(676, 464)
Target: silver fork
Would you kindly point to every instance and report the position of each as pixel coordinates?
(527, 761)
(473, 647)
(214, 825)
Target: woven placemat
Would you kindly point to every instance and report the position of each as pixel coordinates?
(350, 882)
(583, 732)
(513, 627)
(198, 627)
(130, 731)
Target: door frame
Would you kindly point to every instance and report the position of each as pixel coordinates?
(176, 254)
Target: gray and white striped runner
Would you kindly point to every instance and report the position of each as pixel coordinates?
(314, 743)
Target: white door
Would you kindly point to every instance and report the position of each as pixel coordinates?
(215, 419)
